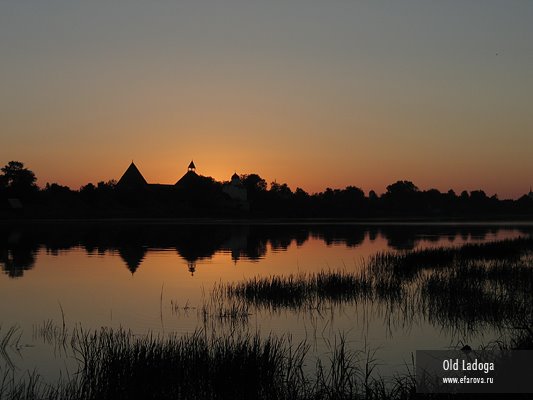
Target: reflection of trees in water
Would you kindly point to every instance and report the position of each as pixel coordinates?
(346, 235)
(17, 259)
(400, 239)
(478, 235)
(372, 233)
(196, 242)
(17, 253)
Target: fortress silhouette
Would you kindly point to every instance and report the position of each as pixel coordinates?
(133, 181)
(248, 195)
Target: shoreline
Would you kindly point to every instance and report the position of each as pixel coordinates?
(408, 221)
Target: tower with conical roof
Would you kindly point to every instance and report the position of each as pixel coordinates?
(235, 190)
(190, 178)
(132, 178)
(235, 179)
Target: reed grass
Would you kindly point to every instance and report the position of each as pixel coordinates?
(9, 340)
(408, 264)
(10, 337)
(50, 333)
(222, 313)
(115, 364)
(33, 387)
(474, 295)
(523, 337)
(299, 291)
(462, 289)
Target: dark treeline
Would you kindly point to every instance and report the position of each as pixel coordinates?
(204, 197)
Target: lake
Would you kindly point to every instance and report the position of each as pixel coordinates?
(157, 278)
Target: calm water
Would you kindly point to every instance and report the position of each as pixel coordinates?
(156, 277)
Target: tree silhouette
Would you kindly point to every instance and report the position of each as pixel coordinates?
(17, 180)
(280, 190)
(253, 183)
(402, 188)
(402, 198)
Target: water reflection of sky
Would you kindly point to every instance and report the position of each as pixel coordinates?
(149, 279)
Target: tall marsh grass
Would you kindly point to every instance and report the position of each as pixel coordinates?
(298, 291)
(9, 341)
(461, 288)
(472, 295)
(408, 264)
(115, 364)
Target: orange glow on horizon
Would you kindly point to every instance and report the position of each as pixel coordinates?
(169, 172)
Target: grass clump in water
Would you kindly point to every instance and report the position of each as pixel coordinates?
(408, 265)
(302, 290)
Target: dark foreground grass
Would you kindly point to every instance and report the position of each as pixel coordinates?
(119, 365)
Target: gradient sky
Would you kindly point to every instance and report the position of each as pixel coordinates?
(311, 93)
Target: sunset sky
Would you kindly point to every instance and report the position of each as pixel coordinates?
(312, 93)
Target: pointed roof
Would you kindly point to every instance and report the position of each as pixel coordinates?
(235, 180)
(132, 177)
(190, 178)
